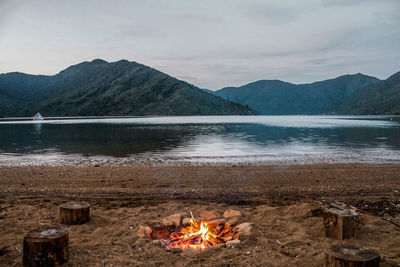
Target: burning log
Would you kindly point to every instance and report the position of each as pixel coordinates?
(198, 235)
(350, 256)
(182, 231)
(46, 246)
(341, 221)
(214, 224)
(74, 212)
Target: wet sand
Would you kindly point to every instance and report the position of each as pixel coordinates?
(282, 202)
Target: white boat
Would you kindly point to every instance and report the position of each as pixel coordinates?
(37, 117)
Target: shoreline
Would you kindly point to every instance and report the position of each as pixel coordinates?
(282, 202)
(55, 159)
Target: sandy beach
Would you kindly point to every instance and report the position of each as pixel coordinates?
(282, 202)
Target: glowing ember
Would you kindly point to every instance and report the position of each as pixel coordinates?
(201, 235)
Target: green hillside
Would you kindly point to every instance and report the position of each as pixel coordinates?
(100, 88)
(381, 98)
(274, 97)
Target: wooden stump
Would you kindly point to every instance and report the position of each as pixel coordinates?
(350, 256)
(74, 212)
(46, 246)
(341, 221)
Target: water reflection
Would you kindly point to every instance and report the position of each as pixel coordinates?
(201, 136)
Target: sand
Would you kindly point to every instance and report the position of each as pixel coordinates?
(282, 202)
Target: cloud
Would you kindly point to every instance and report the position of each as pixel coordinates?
(270, 13)
(342, 3)
(7, 8)
(209, 43)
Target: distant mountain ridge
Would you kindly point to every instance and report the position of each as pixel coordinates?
(347, 94)
(380, 98)
(17, 90)
(100, 88)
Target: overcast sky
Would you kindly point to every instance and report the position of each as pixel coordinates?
(211, 44)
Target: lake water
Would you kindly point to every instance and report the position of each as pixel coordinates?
(200, 139)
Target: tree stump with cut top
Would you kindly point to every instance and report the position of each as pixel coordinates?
(46, 246)
(351, 256)
(75, 212)
(340, 221)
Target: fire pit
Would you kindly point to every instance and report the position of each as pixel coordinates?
(185, 231)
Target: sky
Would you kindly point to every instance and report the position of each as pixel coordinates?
(209, 43)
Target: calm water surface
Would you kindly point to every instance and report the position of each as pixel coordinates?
(203, 139)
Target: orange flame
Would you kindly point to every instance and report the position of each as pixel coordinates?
(198, 236)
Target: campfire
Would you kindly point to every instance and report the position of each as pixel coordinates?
(199, 235)
(184, 231)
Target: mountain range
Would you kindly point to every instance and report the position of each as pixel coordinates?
(347, 94)
(100, 88)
